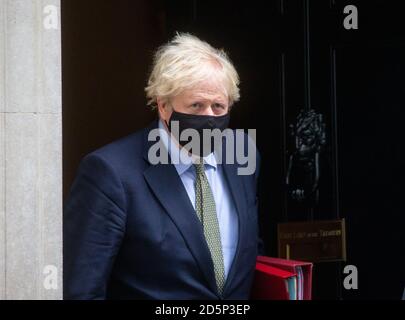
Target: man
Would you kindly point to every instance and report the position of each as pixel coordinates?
(136, 229)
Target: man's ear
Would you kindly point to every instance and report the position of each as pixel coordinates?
(163, 109)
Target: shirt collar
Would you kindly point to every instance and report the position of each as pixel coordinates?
(184, 159)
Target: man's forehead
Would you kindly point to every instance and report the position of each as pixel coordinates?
(205, 93)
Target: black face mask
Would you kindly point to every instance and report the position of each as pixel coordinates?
(198, 123)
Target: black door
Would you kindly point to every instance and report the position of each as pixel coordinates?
(294, 55)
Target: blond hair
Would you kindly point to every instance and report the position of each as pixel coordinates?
(185, 62)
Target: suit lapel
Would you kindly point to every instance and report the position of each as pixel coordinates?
(236, 188)
(168, 188)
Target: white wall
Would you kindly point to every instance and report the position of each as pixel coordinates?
(30, 149)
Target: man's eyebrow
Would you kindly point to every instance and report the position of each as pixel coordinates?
(198, 98)
(220, 102)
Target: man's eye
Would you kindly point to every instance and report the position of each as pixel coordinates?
(195, 105)
(218, 106)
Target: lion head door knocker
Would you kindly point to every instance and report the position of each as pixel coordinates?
(304, 169)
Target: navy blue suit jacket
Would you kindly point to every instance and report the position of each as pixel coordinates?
(131, 232)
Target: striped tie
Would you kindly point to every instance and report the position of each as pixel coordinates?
(205, 208)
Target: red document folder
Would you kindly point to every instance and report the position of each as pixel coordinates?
(292, 266)
(270, 283)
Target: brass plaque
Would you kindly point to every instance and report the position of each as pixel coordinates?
(314, 241)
